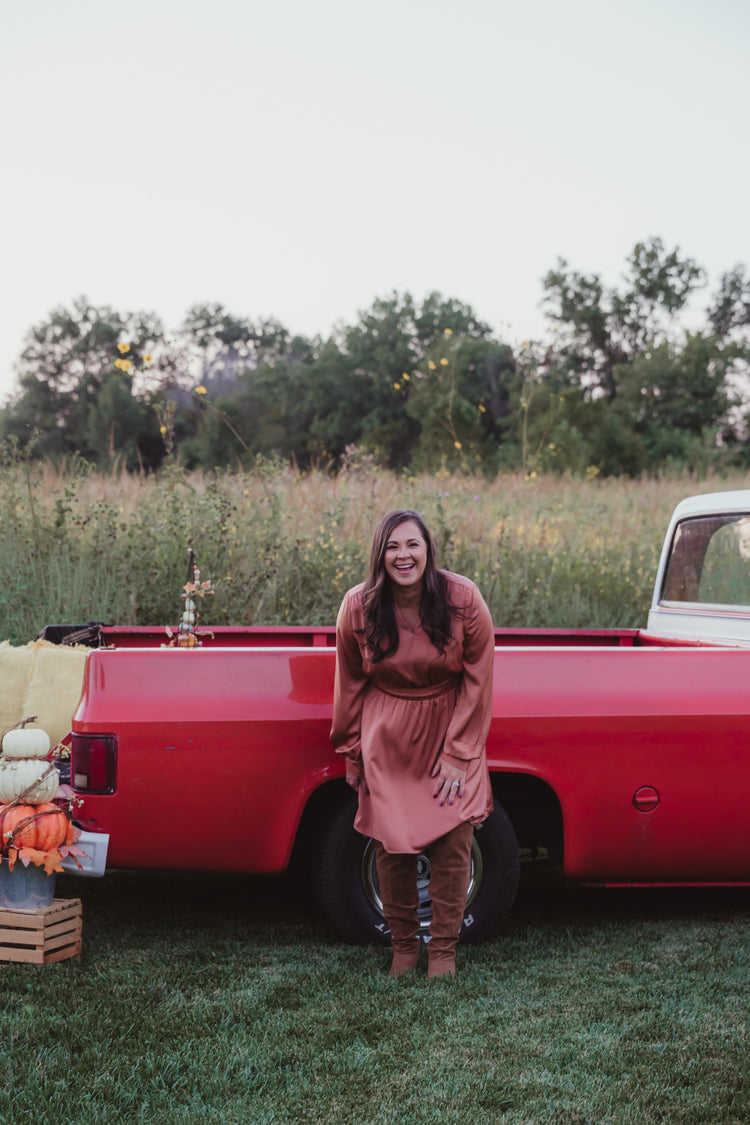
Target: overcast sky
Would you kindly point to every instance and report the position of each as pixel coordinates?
(298, 159)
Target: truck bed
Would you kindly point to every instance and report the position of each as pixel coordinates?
(324, 636)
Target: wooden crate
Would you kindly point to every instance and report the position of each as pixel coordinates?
(43, 934)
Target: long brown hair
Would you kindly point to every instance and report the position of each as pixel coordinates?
(435, 608)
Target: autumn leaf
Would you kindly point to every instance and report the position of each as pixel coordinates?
(53, 861)
(71, 850)
(50, 861)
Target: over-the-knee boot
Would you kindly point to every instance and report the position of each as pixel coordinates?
(450, 869)
(397, 876)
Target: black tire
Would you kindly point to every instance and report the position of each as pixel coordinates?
(348, 888)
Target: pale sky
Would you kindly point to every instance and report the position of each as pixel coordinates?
(297, 159)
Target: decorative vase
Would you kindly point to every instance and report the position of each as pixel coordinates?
(25, 888)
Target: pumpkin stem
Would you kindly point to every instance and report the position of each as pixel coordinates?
(16, 726)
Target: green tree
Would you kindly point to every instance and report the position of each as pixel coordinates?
(461, 397)
(122, 427)
(602, 329)
(65, 362)
(220, 346)
(729, 312)
(361, 382)
(668, 392)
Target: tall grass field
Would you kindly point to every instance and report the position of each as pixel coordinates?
(281, 548)
(222, 1000)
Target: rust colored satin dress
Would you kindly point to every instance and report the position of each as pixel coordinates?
(395, 718)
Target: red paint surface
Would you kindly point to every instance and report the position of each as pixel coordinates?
(241, 734)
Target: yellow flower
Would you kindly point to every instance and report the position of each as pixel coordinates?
(147, 358)
(457, 445)
(443, 362)
(447, 331)
(432, 366)
(201, 390)
(406, 377)
(397, 386)
(162, 429)
(124, 364)
(122, 348)
(483, 408)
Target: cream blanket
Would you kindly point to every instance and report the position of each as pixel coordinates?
(41, 679)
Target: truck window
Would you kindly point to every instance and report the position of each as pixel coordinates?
(710, 561)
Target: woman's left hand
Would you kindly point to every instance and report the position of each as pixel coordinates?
(450, 782)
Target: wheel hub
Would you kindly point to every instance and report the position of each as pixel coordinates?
(371, 886)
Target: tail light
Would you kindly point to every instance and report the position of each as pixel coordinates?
(93, 763)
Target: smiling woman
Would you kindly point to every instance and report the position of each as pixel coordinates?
(412, 707)
(406, 555)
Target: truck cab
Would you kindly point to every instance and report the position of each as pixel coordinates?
(702, 587)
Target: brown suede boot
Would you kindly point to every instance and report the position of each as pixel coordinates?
(450, 869)
(397, 876)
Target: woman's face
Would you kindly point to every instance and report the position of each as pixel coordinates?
(405, 555)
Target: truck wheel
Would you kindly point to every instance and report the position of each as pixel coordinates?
(348, 882)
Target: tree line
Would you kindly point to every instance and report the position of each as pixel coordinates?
(619, 385)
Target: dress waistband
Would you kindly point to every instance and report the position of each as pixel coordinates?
(430, 692)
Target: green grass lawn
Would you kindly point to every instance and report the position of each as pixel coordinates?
(223, 1000)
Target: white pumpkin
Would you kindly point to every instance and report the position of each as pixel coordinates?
(17, 774)
(26, 742)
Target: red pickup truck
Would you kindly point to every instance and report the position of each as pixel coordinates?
(623, 755)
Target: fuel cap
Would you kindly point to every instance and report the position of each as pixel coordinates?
(646, 798)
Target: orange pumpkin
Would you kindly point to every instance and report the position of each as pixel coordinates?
(39, 826)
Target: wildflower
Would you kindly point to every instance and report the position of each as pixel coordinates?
(122, 348)
(397, 386)
(447, 331)
(124, 364)
(432, 366)
(483, 408)
(201, 390)
(457, 445)
(443, 362)
(406, 377)
(162, 429)
(147, 358)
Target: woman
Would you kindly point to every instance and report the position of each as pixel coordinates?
(412, 707)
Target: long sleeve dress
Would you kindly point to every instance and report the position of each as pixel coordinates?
(394, 719)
